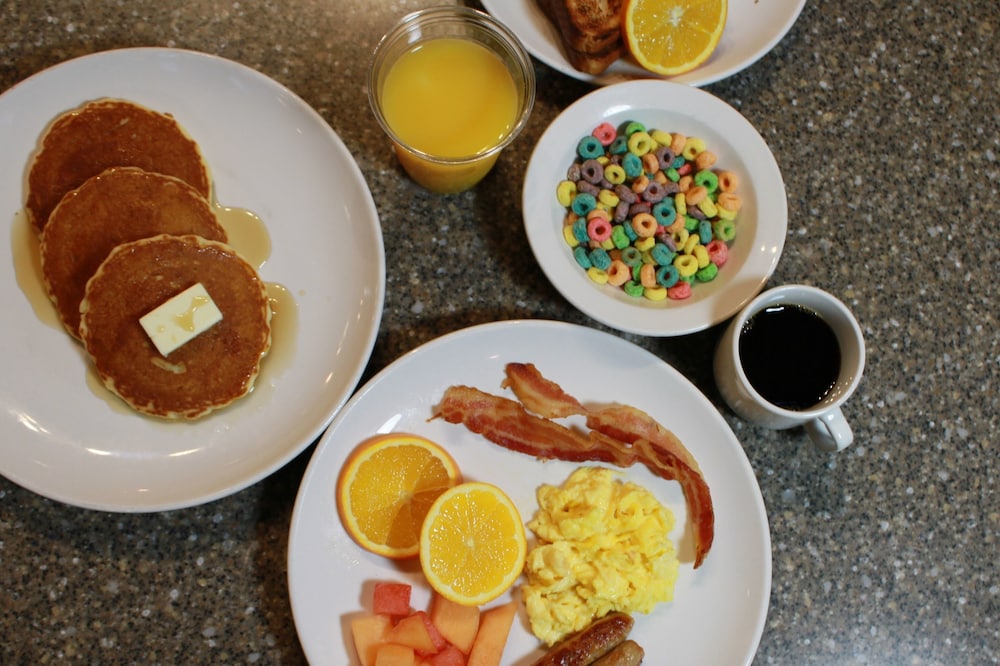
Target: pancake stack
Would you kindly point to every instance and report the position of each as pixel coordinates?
(119, 195)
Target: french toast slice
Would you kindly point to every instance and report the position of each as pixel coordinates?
(590, 31)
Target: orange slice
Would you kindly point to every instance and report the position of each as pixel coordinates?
(386, 488)
(472, 545)
(671, 37)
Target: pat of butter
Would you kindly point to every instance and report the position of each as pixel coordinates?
(181, 319)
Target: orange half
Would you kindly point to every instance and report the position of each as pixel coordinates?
(671, 37)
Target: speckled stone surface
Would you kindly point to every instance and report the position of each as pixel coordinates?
(883, 116)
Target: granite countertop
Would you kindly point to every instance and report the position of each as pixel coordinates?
(883, 117)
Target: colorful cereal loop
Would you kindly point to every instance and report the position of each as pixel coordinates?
(679, 291)
(618, 273)
(656, 293)
(718, 252)
(692, 148)
(599, 258)
(580, 230)
(589, 148)
(667, 276)
(640, 143)
(608, 198)
(598, 228)
(690, 244)
(597, 275)
(647, 275)
(619, 237)
(695, 195)
(660, 137)
(619, 146)
(632, 165)
(708, 207)
(615, 173)
(645, 244)
(662, 254)
(605, 133)
(707, 273)
(645, 225)
(633, 288)
(634, 126)
(705, 233)
(707, 179)
(686, 265)
(677, 143)
(580, 254)
(704, 160)
(631, 256)
(728, 181)
(664, 212)
(700, 252)
(565, 193)
(724, 230)
(583, 203)
(729, 201)
(569, 237)
(650, 164)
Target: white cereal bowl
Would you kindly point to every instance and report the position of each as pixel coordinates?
(672, 107)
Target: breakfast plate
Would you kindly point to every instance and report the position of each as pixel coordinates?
(753, 27)
(62, 434)
(760, 226)
(330, 577)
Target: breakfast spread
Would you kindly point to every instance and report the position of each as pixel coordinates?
(647, 211)
(134, 259)
(603, 547)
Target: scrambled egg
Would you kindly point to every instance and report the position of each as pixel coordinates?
(602, 547)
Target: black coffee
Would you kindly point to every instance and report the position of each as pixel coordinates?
(790, 355)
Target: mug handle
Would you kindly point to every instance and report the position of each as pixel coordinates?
(830, 431)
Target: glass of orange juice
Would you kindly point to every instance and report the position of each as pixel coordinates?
(451, 86)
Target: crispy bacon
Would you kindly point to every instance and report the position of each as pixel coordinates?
(619, 435)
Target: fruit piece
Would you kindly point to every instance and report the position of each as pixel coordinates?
(391, 598)
(457, 623)
(437, 638)
(386, 487)
(671, 37)
(450, 656)
(369, 632)
(391, 654)
(412, 632)
(494, 627)
(472, 543)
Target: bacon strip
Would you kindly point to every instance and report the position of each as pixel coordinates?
(619, 435)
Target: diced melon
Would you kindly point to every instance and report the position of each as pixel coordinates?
(450, 656)
(391, 598)
(494, 627)
(392, 654)
(457, 623)
(369, 631)
(412, 632)
(439, 641)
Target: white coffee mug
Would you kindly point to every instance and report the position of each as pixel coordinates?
(824, 421)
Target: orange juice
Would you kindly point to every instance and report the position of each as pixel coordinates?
(449, 98)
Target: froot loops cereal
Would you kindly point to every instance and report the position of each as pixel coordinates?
(648, 211)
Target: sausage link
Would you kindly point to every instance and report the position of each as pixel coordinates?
(628, 653)
(590, 643)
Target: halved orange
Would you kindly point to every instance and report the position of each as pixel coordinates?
(386, 487)
(671, 37)
(472, 544)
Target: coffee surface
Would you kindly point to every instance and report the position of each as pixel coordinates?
(790, 356)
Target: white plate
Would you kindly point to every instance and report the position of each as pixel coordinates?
(672, 107)
(330, 577)
(268, 152)
(752, 29)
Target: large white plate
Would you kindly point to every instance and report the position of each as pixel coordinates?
(330, 577)
(672, 107)
(268, 152)
(752, 29)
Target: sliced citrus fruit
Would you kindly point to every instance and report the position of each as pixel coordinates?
(472, 545)
(387, 486)
(671, 37)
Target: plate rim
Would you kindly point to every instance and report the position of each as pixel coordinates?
(317, 464)
(312, 422)
(642, 318)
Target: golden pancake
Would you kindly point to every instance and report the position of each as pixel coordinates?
(208, 372)
(119, 205)
(81, 143)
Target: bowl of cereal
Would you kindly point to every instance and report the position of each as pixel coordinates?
(654, 207)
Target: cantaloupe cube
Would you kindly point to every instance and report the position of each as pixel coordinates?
(391, 654)
(450, 656)
(457, 623)
(412, 632)
(494, 627)
(369, 631)
(439, 641)
(391, 598)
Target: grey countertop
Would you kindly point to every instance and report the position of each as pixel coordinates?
(883, 116)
